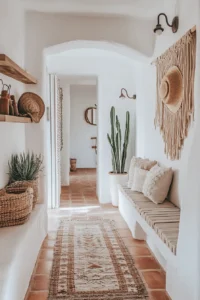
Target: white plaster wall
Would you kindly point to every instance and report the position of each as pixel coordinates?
(11, 44)
(47, 30)
(82, 97)
(113, 72)
(183, 277)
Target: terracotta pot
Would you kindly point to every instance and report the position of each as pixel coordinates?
(73, 164)
(4, 103)
(116, 179)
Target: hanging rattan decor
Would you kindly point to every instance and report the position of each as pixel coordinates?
(174, 124)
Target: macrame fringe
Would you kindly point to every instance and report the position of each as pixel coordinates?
(174, 127)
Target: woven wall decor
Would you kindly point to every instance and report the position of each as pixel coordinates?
(176, 69)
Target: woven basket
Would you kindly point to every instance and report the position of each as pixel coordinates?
(15, 208)
(21, 185)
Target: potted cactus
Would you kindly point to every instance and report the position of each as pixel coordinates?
(119, 153)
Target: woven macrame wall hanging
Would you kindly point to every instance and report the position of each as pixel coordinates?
(175, 93)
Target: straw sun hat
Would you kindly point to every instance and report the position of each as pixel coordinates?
(31, 105)
(171, 89)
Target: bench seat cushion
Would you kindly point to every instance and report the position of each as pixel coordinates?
(163, 218)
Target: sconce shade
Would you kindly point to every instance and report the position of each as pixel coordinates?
(158, 30)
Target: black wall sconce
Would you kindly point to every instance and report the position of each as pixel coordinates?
(159, 29)
(124, 96)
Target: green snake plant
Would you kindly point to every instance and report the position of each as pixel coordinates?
(119, 152)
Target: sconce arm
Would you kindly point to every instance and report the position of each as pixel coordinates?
(166, 19)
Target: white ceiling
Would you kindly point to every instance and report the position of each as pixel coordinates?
(77, 80)
(146, 9)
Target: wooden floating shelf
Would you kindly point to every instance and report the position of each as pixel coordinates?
(11, 69)
(14, 119)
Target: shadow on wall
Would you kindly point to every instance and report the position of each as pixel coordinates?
(174, 191)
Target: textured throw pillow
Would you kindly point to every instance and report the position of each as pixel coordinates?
(140, 163)
(148, 164)
(157, 184)
(135, 162)
(139, 179)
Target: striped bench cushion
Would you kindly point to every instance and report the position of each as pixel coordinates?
(163, 218)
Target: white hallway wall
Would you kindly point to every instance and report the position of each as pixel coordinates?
(12, 44)
(183, 278)
(113, 72)
(82, 97)
(45, 30)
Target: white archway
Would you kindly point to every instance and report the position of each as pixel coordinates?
(100, 45)
(125, 54)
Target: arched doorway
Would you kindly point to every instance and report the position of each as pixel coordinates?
(89, 57)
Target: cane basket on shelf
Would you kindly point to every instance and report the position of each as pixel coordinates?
(27, 184)
(15, 206)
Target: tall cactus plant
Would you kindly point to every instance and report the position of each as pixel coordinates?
(119, 153)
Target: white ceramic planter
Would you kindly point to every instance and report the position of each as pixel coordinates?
(116, 179)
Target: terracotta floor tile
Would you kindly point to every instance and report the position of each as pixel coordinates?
(46, 254)
(131, 242)
(48, 244)
(79, 200)
(38, 296)
(147, 263)
(159, 295)
(43, 267)
(125, 233)
(40, 283)
(121, 225)
(154, 279)
(139, 251)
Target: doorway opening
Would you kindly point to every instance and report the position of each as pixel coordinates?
(74, 123)
(113, 71)
(79, 139)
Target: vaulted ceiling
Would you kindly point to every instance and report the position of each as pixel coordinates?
(146, 9)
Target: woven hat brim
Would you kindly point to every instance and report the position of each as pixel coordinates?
(174, 107)
(35, 98)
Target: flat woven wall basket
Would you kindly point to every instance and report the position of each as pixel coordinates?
(15, 208)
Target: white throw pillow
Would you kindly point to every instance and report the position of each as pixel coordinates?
(135, 162)
(140, 163)
(157, 184)
(139, 179)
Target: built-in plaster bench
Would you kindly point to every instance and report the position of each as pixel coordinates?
(159, 222)
(19, 247)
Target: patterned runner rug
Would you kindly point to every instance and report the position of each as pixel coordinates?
(91, 262)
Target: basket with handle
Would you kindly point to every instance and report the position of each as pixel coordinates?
(15, 206)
